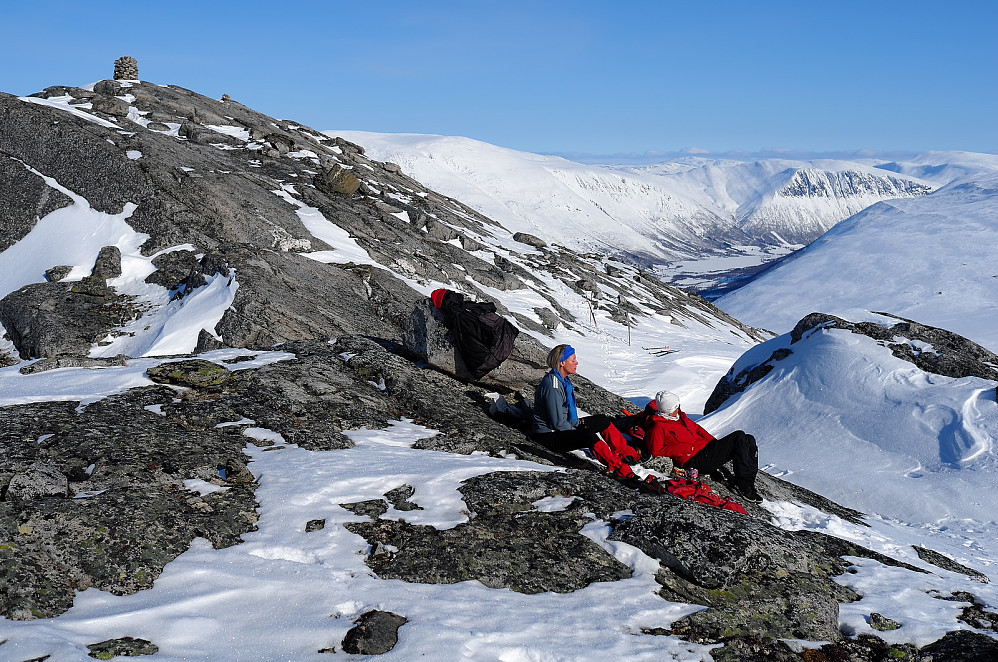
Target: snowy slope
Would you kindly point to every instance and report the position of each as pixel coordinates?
(686, 209)
(931, 259)
(843, 416)
(578, 206)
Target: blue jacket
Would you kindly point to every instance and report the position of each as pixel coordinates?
(554, 404)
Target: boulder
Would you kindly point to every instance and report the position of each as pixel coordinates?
(427, 337)
(56, 319)
(337, 181)
(375, 633)
(108, 88)
(195, 373)
(108, 264)
(55, 274)
(529, 240)
(39, 480)
(109, 105)
(122, 647)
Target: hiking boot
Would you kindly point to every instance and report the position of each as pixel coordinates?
(746, 490)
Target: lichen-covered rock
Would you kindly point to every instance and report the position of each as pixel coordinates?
(882, 623)
(122, 647)
(196, 373)
(40, 479)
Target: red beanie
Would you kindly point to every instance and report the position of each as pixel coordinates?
(438, 297)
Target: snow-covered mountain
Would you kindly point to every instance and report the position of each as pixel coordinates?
(261, 516)
(738, 213)
(930, 258)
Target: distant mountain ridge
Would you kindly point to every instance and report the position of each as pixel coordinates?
(687, 209)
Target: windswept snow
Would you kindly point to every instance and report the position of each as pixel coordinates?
(930, 259)
(74, 236)
(844, 417)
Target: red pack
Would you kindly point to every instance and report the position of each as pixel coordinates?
(694, 490)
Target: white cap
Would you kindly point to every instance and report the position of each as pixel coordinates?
(666, 402)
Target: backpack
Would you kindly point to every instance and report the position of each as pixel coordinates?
(483, 337)
(694, 490)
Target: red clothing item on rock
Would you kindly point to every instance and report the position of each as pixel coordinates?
(679, 440)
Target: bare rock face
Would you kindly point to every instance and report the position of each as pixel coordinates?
(58, 319)
(27, 197)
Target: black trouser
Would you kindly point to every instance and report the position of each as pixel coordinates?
(583, 436)
(738, 447)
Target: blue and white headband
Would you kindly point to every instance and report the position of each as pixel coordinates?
(569, 350)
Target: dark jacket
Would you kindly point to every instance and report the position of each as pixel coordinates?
(483, 337)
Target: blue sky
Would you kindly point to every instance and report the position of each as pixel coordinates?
(555, 77)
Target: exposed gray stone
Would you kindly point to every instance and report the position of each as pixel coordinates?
(56, 319)
(108, 88)
(39, 480)
(72, 362)
(945, 562)
(122, 647)
(55, 274)
(196, 373)
(962, 646)
(26, 198)
(375, 633)
(109, 105)
(529, 239)
(883, 624)
(108, 264)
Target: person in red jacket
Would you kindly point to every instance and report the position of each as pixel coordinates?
(669, 432)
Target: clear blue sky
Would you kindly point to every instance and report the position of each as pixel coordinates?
(580, 76)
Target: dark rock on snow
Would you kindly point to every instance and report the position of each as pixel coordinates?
(376, 633)
(123, 646)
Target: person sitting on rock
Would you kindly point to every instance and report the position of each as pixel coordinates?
(669, 432)
(557, 426)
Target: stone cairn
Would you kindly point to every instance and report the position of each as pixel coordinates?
(126, 68)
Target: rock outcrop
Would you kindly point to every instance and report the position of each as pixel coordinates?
(931, 349)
